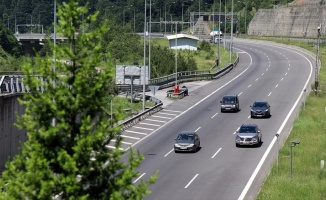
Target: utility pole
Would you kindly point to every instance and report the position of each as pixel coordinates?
(317, 57)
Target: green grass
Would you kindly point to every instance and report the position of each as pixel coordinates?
(308, 179)
(205, 60)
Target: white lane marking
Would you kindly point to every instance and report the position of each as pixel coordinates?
(171, 110)
(266, 69)
(199, 102)
(168, 153)
(240, 93)
(262, 160)
(139, 178)
(150, 129)
(270, 94)
(135, 132)
(289, 65)
(249, 86)
(214, 115)
(281, 79)
(286, 73)
(121, 142)
(249, 116)
(149, 124)
(262, 74)
(236, 130)
(162, 117)
(216, 152)
(125, 136)
(112, 147)
(276, 86)
(197, 129)
(162, 113)
(153, 120)
(191, 181)
(256, 79)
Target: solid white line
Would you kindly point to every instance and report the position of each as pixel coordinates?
(240, 93)
(191, 180)
(150, 129)
(135, 132)
(197, 129)
(125, 136)
(161, 113)
(171, 110)
(216, 152)
(149, 124)
(270, 94)
(121, 142)
(214, 115)
(139, 178)
(276, 86)
(168, 153)
(162, 117)
(153, 120)
(112, 147)
(262, 160)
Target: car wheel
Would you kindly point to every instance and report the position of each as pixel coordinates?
(236, 145)
(222, 111)
(195, 149)
(175, 151)
(251, 116)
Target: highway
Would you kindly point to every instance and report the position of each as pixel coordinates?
(219, 170)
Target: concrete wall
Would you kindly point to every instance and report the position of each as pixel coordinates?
(300, 19)
(10, 135)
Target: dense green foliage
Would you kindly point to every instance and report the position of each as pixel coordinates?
(66, 154)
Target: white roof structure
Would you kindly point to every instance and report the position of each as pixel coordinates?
(178, 36)
(183, 41)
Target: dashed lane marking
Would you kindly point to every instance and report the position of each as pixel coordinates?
(149, 124)
(150, 129)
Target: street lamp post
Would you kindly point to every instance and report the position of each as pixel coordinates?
(293, 143)
(144, 70)
(231, 42)
(317, 57)
(219, 36)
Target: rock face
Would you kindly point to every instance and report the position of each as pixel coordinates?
(300, 18)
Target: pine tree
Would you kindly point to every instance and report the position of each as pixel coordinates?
(65, 154)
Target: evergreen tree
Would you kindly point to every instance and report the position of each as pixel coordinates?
(65, 155)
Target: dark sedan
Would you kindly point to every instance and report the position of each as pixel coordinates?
(260, 109)
(187, 141)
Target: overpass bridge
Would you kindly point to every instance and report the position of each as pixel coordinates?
(33, 42)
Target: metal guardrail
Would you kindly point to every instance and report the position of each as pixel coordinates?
(14, 84)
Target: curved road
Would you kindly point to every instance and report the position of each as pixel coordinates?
(219, 170)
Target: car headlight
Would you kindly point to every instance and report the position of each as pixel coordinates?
(177, 145)
(238, 138)
(266, 110)
(190, 145)
(252, 110)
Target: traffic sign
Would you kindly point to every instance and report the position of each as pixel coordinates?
(153, 88)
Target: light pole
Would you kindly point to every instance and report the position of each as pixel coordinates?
(149, 39)
(317, 57)
(277, 135)
(219, 36)
(176, 55)
(293, 143)
(231, 42)
(144, 70)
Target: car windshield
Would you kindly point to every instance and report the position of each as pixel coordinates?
(247, 129)
(259, 104)
(228, 100)
(184, 136)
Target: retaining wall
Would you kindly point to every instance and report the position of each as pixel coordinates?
(300, 19)
(10, 136)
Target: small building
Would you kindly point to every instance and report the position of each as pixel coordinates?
(183, 41)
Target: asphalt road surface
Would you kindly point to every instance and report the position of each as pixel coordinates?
(219, 170)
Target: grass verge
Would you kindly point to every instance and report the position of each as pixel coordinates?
(308, 177)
